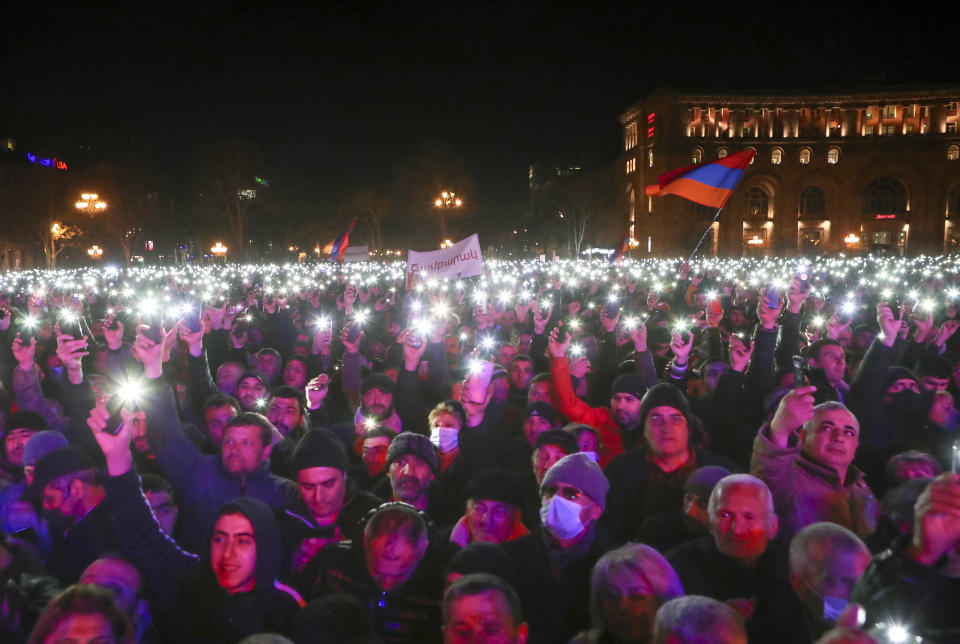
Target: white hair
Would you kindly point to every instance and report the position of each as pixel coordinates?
(830, 405)
(807, 554)
(741, 480)
(697, 620)
(639, 558)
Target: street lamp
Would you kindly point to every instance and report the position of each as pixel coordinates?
(90, 202)
(95, 252)
(219, 250)
(446, 201)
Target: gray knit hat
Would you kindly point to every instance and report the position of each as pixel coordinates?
(577, 470)
(416, 444)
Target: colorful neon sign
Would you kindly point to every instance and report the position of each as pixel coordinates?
(885, 217)
(50, 163)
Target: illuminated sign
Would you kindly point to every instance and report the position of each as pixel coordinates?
(885, 217)
(651, 124)
(50, 163)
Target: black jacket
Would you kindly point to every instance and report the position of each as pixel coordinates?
(190, 604)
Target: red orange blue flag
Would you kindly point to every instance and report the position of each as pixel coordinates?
(338, 246)
(710, 184)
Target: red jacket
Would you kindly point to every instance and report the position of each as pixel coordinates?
(600, 418)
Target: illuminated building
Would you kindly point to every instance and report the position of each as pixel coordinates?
(879, 166)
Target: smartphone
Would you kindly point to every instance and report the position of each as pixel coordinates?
(353, 332)
(611, 309)
(154, 330)
(70, 324)
(114, 405)
(745, 339)
(804, 280)
(798, 372)
(191, 318)
(771, 297)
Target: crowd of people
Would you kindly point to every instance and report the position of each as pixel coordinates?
(742, 450)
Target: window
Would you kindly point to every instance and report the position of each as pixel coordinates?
(953, 202)
(631, 165)
(952, 108)
(757, 202)
(746, 132)
(884, 196)
(890, 112)
(10, 144)
(951, 128)
(812, 202)
(805, 155)
(650, 158)
(868, 113)
(953, 152)
(833, 156)
(868, 130)
(910, 111)
(908, 128)
(776, 156)
(697, 156)
(889, 130)
(721, 153)
(630, 136)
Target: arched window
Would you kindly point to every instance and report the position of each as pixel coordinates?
(953, 152)
(650, 158)
(721, 153)
(776, 156)
(754, 154)
(885, 196)
(953, 202)
(812, 201)
(805, 155)
(697, 156)
(833, 156)
(757, 202)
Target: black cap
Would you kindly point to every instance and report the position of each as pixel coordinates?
(319, 448)
(559, 437)
(629, 383)
(53, 465)
(543, 409)
(494, 485)
(379, 381)
(25, 419)
(416, 444)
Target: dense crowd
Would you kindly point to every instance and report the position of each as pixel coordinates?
(739, 450)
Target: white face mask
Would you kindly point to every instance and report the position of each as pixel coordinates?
(562, 518)
(446, 439)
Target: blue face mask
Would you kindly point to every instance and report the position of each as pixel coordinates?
(446, 439)
(827, 606)
(561, 518)
(593, 456)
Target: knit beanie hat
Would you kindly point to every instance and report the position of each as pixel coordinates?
(545, 410)
(319, 448)
(577, 470)
(25, 419)
(483, 557)
(897, 373)
(629, 383)
(379, 381)
(495, 485)
(702, 481)
(416, 444)
(41, 444)
(663, 395)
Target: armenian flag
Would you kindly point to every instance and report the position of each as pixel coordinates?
(710, 184)
(338, 246)
(621, 249)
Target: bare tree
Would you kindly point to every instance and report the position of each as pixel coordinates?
(130, 190)
(229, 191)
(369, 208)
(55, 238)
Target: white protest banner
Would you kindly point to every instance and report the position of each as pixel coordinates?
(463, 259)
(356, 254)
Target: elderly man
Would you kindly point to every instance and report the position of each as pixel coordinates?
(411, 473)
(739, 562)
(826, 561)
(390, 572)
(810, 472)
(694, 619)
(554, 567)
(493, 510)
(482, 608)
(649, 479)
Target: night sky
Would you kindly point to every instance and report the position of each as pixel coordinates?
(341, 93)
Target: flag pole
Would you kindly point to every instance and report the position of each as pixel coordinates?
(704, 235)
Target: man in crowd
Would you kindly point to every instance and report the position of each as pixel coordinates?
(411, 471)
(695, 619)
(827, 366)
(493, 510)
(649, 479)
(679, 525)
(482, 608)
(810, 472)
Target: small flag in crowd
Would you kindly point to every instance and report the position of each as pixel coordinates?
(338, 246)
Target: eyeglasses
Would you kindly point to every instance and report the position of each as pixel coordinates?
(567, 492)
(656, 420)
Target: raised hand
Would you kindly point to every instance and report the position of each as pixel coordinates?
(115, 447)
(794, 410)
(681, 349)
(739, 354)
(317, 390)
(889, 324)
(24, 352)
(936, 526)
(556, 348)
